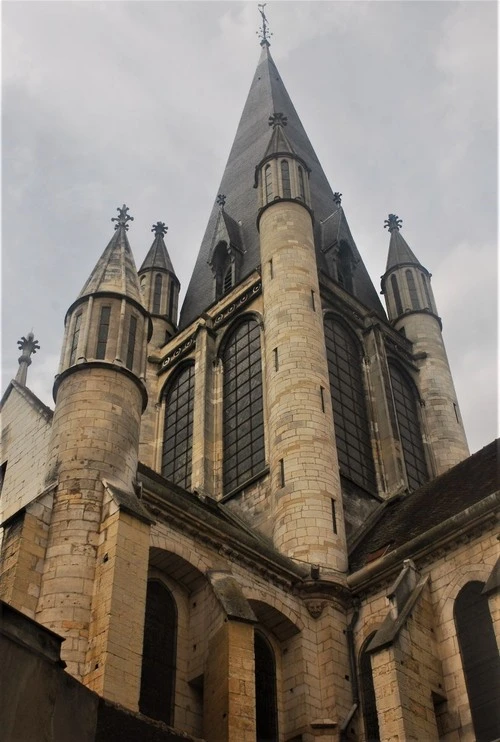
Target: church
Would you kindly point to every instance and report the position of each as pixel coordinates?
(252, 518)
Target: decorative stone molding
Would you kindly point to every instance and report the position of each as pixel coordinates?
(315, 607)
(238, 304)
(178, 352)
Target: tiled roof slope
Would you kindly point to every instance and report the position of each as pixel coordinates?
(267, 95)
(408, 516)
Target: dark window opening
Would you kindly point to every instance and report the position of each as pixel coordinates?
(397, 295)
(368, 694)
(227, 282)
(159, 654)
(405, 404)
(350, 417)
(266, 709)
(74, 340)
(102, 335)
(426, 291)
(224, 270)
(282, 472)
(132, 330)
(285, 179)
(171, 298)
(268, 183)
(157, 293)
(334, 517)
(243, 415)
(480, 660)
(412, 290)
(345, 267)
(302, 190)
(178, 431)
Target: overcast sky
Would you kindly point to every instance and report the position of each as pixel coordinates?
(138, 103)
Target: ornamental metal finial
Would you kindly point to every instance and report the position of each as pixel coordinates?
(263, 33)
(221, 201)
(393, 222)
(27, 345)
(122, 218)
(159, 229)
(277, 119)
(337, 198)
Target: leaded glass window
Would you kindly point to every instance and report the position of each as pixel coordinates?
(285, 179)
(158, 285)
(178, 430)
(266, 709)
(405, 404)
(102, 333)
(410, 280)
(480, 660)
(372, 733)
(397, 295)
(243, 417)
(268, 182)
(352, 430)
(74, 340)
(159, 654)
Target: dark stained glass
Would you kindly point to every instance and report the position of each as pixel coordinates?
(178, 431)
(352, 430)
(368, 695)
(480, 660)
(397, 295)
(102, 334)
(285, 179)
(243, 418)
(159, 654)
(132, 329)
(405, 404)
(410, 280)
(157, 293)
(266, 710)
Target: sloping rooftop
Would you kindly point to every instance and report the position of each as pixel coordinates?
(405, 517)
(157, 257)
(267, 96)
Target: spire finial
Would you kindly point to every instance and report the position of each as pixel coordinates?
(27, 345)
(159, 229)
(393, 222)
(122, 218)
(263, 33)
(337, 198)
(221, 201)
(277, 119)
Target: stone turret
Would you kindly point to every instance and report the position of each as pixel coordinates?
(305, 482)
(99, 398)
(411, 307)
(160, 288)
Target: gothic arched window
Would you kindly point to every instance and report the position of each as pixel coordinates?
(405, 405)
(224, 270)
(132, 330)
(266, 709)
(159, 654)
(268, 183)
(397, 295)
(243, 418)
(227, 281)
(372, 733)
(302, 190)
(74, 340)
(178, 429)
(412, 289)
(480, 661)
(285, 179)
(426, 291)
(158, 285)
(102, 333)
(352, 430)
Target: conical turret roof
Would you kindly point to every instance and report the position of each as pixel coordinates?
(157, 256)
(115, 270)
(267, 95)
(400, 252)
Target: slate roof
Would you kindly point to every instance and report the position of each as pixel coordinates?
(405, 517)
(267, 95)
(400, 252)
(115, 270)
(157, 257)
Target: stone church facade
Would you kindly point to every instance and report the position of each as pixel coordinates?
(259, 520)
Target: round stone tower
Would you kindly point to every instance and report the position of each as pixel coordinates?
(99, 396)
(305, 481)
(411, 307)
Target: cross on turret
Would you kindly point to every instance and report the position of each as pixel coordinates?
(263, 33)
(122, 218)
(27, 345)
(160, 229)
(393, 222)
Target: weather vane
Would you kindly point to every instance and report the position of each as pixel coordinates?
(277, 119)
(159, 229)
(393, 222)
(263, 33)
(122, 218)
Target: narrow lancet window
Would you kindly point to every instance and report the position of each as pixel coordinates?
(132, 330)
(171, 301)
(412, 289)
(397, 295)
(178, 430)
(372, 733)
(157, 293)
(426, 291)
(285, 179)
(228, 279)
(268, 183)
(102, 334)
(74, 340)
(302, 190)
(266, 708)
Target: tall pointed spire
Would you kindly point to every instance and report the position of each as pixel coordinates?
(267, 95)
(400, 252)
(157, 256)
